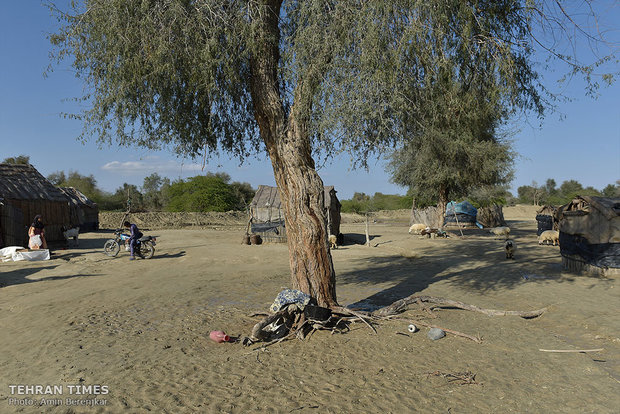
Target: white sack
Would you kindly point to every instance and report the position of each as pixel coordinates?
(7, 252)
(32, 255)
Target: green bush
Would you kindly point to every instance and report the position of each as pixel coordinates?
(362, 203)
(202, 194)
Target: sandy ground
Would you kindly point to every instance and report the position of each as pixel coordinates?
(141, 328)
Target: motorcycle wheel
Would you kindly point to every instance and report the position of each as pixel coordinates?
(111, 248)
(147, 250)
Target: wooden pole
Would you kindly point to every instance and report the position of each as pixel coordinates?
(457, 219)
(367, 235)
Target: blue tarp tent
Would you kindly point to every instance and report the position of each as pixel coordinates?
(463, 207)
(464, 211)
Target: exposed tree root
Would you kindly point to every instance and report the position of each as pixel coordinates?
(291, 321)
(361, 316)
(401, 305)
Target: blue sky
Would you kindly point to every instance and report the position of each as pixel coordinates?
(583, 145)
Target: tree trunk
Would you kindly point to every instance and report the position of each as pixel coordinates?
(441, 205)
(288, 143)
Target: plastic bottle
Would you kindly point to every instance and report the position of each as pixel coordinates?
(219, 336)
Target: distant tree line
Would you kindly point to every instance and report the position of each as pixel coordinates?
(215, 192)
(483, 196)
(362, 203)
(549, 193)
(211, 192)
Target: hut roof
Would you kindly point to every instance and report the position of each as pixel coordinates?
(547, 210)
(24, 182)
(77, 198)
(267, 197)
(608, 207)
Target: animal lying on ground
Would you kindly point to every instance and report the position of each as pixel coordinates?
(417, 228)
(332, 241)
(549, 236)
(500, 231)
(71, 234)
(510, 247)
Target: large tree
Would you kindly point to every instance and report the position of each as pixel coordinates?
(297, 79)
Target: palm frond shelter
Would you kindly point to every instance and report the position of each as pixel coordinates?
(26, 193)
(590, 235)
(83, 210)
(267, 214)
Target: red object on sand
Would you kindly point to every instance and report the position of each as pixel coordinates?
(219, 336)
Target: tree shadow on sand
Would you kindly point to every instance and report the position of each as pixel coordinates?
(479, 267)
(357, 238)
(61, 248)
(20, 276)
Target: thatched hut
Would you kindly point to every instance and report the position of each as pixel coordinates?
(545, 217)
(26, 193)
(491, 216)
(590, 235)
(267, 214)
(83, 210)
(431, 216)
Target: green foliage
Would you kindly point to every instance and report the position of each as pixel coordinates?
(612, 190)
(201, 193)
(162, 73)
(20, 159)
(453, 144)
(362, 203)
(358, 204)
(244, 193)
(58, 178)
(548, 194)
(129, 192)
(451, 156)
(87, 184)
(571, 188)
(358, 74)
(489, 195)
(155, 192)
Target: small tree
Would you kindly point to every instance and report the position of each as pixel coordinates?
(128, 192)
(20, 159)
(151, 191)
(58, 178)
(611, 191)
(570, 188)
(87, 184)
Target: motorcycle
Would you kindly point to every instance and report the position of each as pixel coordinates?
(145, 245)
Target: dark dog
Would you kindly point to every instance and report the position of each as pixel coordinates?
(510, 248)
